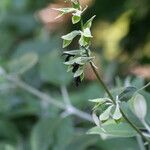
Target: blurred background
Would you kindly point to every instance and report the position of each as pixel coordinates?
(31, 113)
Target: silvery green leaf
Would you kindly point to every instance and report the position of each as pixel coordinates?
(23, 64)
(88, 24)
(113, 129)
(69, 68)
(106, 114)
(100, 100)
(87, 33)
(71, 35)
(78, 72)
(96, 119)
(127, 94)
(74, 52)
(84, 41)
(67, 39)
(66, 43)
(65, 10)
(76, 17)
(79, 60)
(140, 106)
(117, 114)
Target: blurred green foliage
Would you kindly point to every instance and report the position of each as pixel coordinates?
(28, 50)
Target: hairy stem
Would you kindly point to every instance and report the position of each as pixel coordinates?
(110, 95)
(72, 110)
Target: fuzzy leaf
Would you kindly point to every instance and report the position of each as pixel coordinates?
(23, 64)
(106, 114)
(96, 119)
(79, 60)
(100, 100)
(84, 41)
(127, 94)
(71, 35)
(75, 19)
(65, 10)
(140, 106)
(114, 130)
(78, 72)
(67, 39)
(74, 52)
(87, 33)
(117, 114)
(88, 24)
(66, 43)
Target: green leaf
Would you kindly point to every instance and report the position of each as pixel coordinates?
(87, 33)
(127, 94)
(76, 19)
(117, 114)
(23, 64)
(65, 10)
(84, 41)
(67, 39)
(82, 142)
(79, 60)
(66, 43)
(52, 69)
(74, 52)
(96, 119)
(100, 100)
(41, 136)
(88, 24)
(140, 106)
(114, 130)
(106, 114)
(78, 72)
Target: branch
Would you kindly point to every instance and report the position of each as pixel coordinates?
(49, 99)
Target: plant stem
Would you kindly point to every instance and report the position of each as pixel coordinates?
(48, 99)
(111, 97)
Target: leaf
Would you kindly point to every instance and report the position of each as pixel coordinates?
(96, 119)
(82, 142)
(84, 41)
(78, 72)
(67, 39)
(117, 114)
(23, 64)
(76, 17)
(79, 60)
(66, 43)
(106, 114)
(87, 33)
(114, 130)
(52, 69)
(140, 106)
(88, 24)
(65, 10)
(41, 136)
(74, 52)
(100, 100)
(127, 94)
(63, 134)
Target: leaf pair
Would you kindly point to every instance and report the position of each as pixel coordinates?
(85, 35)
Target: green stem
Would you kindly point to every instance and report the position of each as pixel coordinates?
(111, 96)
